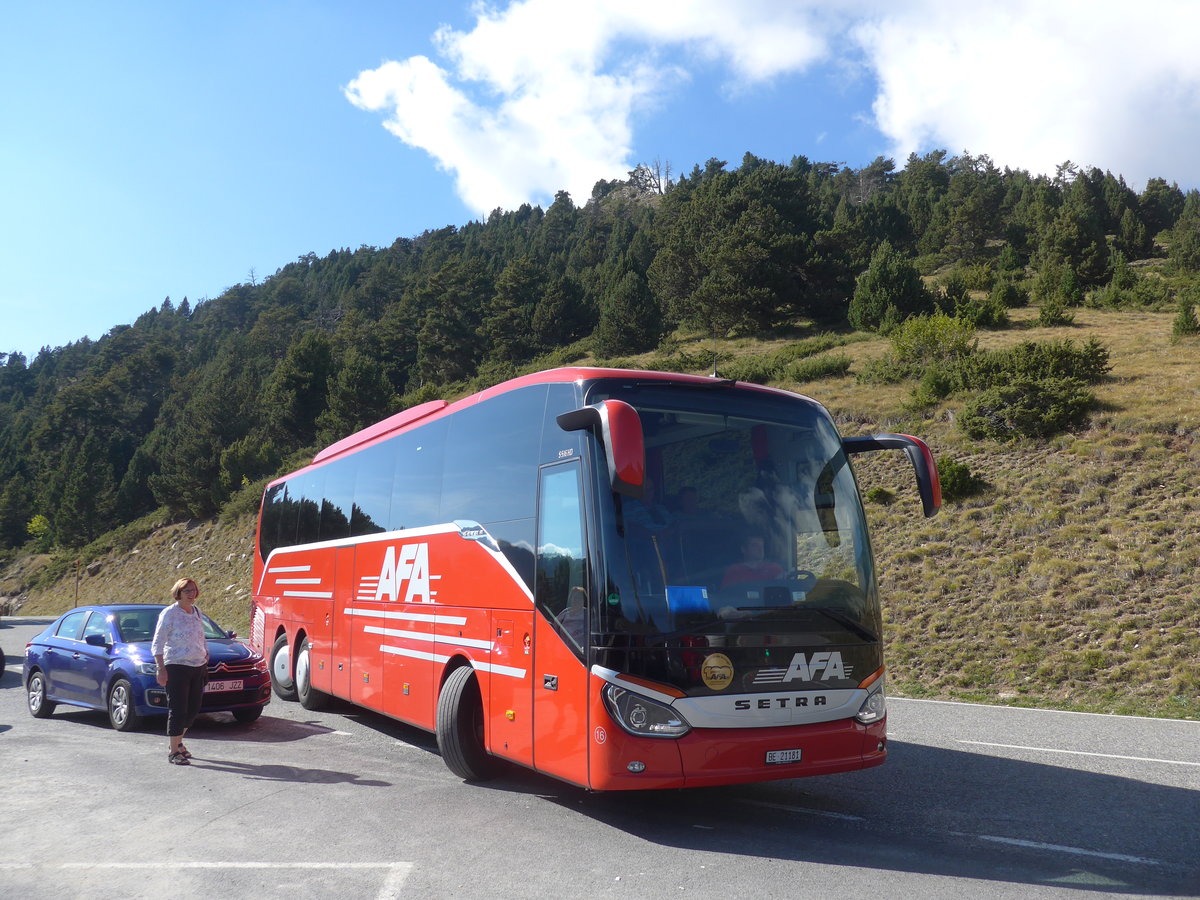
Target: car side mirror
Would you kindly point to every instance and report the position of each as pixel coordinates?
(96, 640)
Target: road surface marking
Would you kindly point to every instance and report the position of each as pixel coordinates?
(1150, 759)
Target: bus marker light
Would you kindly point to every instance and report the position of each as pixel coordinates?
(636, 767)
(510, 715)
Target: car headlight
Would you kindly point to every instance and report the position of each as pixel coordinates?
(147, 668)
(642, 716)
(259, 663)
(874, 707)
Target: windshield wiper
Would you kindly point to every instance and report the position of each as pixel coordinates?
(845, 620)
(841, 618)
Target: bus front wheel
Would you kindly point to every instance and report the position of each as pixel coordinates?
(281, 669)
(460, 727)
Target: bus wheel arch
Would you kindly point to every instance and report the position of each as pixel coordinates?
(282, 679)
(460, 726)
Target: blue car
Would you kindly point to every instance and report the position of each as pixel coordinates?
(98, 657)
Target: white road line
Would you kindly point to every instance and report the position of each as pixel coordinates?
(1041, 709)
(1149, 759)
(1059, 848)
(397, 872)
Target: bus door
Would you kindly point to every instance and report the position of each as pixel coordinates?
(339, 627)
(563, 596)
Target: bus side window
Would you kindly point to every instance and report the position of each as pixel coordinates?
(417, 489)
(561, 587)
(372, 490)
(339, 498)
(491, 457)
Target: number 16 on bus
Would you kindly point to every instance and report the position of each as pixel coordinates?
(624, 580)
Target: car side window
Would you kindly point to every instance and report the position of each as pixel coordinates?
(71, 626)
(97, 624)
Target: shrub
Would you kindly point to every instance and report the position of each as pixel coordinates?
(1032, 361)
(1008, 295)
(756, 369)
(918, 344)
(1027, 408)
(1053, 314)
(1185, 323)
(814, 367)
(958, 481)
(986, 313)
(879, 495)
(926, 339)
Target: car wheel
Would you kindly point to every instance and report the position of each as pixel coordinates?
(121, 712)
(247, 715)
(309, 696)
(39, 706)
(281, 669)
(460, 727)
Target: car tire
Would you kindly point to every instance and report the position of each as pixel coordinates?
(121, 710)
(247, 715)
(309, 696)
(460, 727)
(281, 669)
(39, 706)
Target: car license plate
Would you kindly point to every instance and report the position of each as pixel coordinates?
(783, 756)
(216, 686)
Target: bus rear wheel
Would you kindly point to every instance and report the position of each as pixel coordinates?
(460, 727)
(281, 669)
(310, 697)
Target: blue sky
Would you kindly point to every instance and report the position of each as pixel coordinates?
(150, 150)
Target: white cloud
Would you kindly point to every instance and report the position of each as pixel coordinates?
(541, 95)
(1033, 83)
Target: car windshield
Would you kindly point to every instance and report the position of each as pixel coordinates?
(751, 524)
(135, 625)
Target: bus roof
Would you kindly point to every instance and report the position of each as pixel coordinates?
(567, 374)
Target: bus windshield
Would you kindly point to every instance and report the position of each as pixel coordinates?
(750, 525)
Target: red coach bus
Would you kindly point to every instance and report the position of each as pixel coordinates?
(621, 579)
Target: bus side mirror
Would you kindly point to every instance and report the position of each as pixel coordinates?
(919, 455)
(620, 429)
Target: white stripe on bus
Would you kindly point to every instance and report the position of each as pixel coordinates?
(312, 595)
(435, 618)
(430, 638)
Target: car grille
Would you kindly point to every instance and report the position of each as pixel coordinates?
(237, 667)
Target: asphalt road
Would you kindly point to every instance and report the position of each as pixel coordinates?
(974, 801)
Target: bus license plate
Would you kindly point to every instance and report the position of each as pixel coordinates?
(216, 686)
(783, 756)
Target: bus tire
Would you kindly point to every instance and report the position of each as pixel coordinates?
(309, 696)
(460, 727)
(281, 669)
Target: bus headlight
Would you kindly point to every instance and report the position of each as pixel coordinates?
(874, 707)
(641, 716)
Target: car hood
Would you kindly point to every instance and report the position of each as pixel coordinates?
(219, 650)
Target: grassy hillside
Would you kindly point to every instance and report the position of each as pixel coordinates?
(1069, 582)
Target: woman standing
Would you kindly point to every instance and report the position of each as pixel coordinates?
(181, 652)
